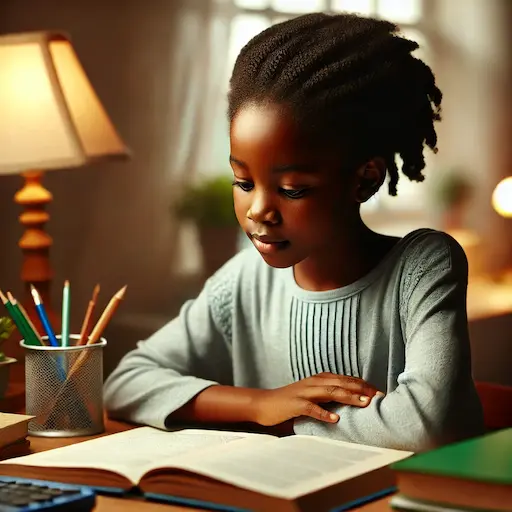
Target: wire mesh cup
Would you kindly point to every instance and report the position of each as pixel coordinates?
(64, 388)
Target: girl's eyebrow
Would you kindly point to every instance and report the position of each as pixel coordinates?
(304, 168)
(233, 160)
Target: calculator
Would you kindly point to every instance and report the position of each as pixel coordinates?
(27, 495)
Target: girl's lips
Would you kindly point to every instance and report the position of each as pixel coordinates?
(270, 247)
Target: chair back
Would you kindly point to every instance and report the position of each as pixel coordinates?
(497, 404)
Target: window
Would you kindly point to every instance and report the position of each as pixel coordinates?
(247, 18)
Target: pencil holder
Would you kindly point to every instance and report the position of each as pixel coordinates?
(64, 388)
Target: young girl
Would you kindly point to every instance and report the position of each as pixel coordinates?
(327, 327)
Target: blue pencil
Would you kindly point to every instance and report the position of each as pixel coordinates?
(43, 317)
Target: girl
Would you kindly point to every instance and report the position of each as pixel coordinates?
(327, 327)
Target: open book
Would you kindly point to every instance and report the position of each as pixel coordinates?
(246, 471)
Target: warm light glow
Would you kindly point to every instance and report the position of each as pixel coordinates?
(502, 198)
(51, 117)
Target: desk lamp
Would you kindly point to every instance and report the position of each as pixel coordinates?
(50, 118)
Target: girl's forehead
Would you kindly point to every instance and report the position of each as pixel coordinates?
(265, 124)
(267, 136)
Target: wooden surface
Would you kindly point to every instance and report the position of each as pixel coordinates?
(110, 504)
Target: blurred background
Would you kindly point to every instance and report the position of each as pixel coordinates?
(161, 222)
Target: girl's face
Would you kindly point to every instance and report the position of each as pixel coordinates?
(291, 199)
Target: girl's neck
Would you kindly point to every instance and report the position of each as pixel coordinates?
(343, 265)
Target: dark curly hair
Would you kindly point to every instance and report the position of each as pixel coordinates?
(348, 80)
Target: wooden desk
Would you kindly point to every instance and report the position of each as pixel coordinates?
(110, 504)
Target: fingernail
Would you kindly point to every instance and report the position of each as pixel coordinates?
(333, 416)
(380, 393)
(364, 399)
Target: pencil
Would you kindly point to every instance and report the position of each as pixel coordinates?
(106, 316)
(31, 324)
(15, 316)
(86, 324)
(33, 336)
(64, 335)
(43, 316)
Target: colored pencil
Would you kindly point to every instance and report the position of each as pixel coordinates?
(86, 324)
(43, 317)
(32, 326)
(16, 318)
(33, 336)
(64, 335)
(106, 316)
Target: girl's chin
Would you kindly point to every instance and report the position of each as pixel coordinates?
(281, 259)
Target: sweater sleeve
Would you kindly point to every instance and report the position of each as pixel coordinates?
(189, 354)
(435, 401)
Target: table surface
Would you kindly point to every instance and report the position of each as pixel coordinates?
(110, 504)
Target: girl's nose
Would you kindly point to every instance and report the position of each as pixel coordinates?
(262, 211)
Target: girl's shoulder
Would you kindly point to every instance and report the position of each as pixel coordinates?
(429, 249)
(432, 255)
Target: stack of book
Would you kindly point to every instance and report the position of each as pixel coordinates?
(13, 435)
(473, 475)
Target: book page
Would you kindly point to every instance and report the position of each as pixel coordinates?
(8, 419)
(290, 467)
(134, 452)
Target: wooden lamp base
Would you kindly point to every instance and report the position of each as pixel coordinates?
(36, 269)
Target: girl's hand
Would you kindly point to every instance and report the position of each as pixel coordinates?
(275, 406)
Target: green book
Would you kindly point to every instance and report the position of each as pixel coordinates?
(485, 459)
(475, 474)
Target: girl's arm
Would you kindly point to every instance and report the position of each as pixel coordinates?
(220, 404)
(435, 400)
(188, 355)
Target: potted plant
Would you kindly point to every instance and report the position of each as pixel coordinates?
(6, 328)
(209, 205)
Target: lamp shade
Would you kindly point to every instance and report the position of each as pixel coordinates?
(50, 115)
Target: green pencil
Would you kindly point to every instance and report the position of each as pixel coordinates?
(26, 320)
(30, 335)
(64, 338)
(19, 321)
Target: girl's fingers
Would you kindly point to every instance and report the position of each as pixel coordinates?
(312, 410)
(349, 383)
(324, 394)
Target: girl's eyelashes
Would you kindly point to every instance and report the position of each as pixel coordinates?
(294, 193)
(246, 186)
(291, 193)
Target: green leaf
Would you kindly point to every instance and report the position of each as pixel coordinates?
(6, 328)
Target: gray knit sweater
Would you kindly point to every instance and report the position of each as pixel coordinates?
(402, 327)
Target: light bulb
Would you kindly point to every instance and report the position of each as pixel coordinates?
(502, 197)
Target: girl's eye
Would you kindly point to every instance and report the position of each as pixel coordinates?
(246, 186)
(294, 193)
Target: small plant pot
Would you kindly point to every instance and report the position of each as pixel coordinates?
(5, 368)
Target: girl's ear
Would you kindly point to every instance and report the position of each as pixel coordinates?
(369, 178)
